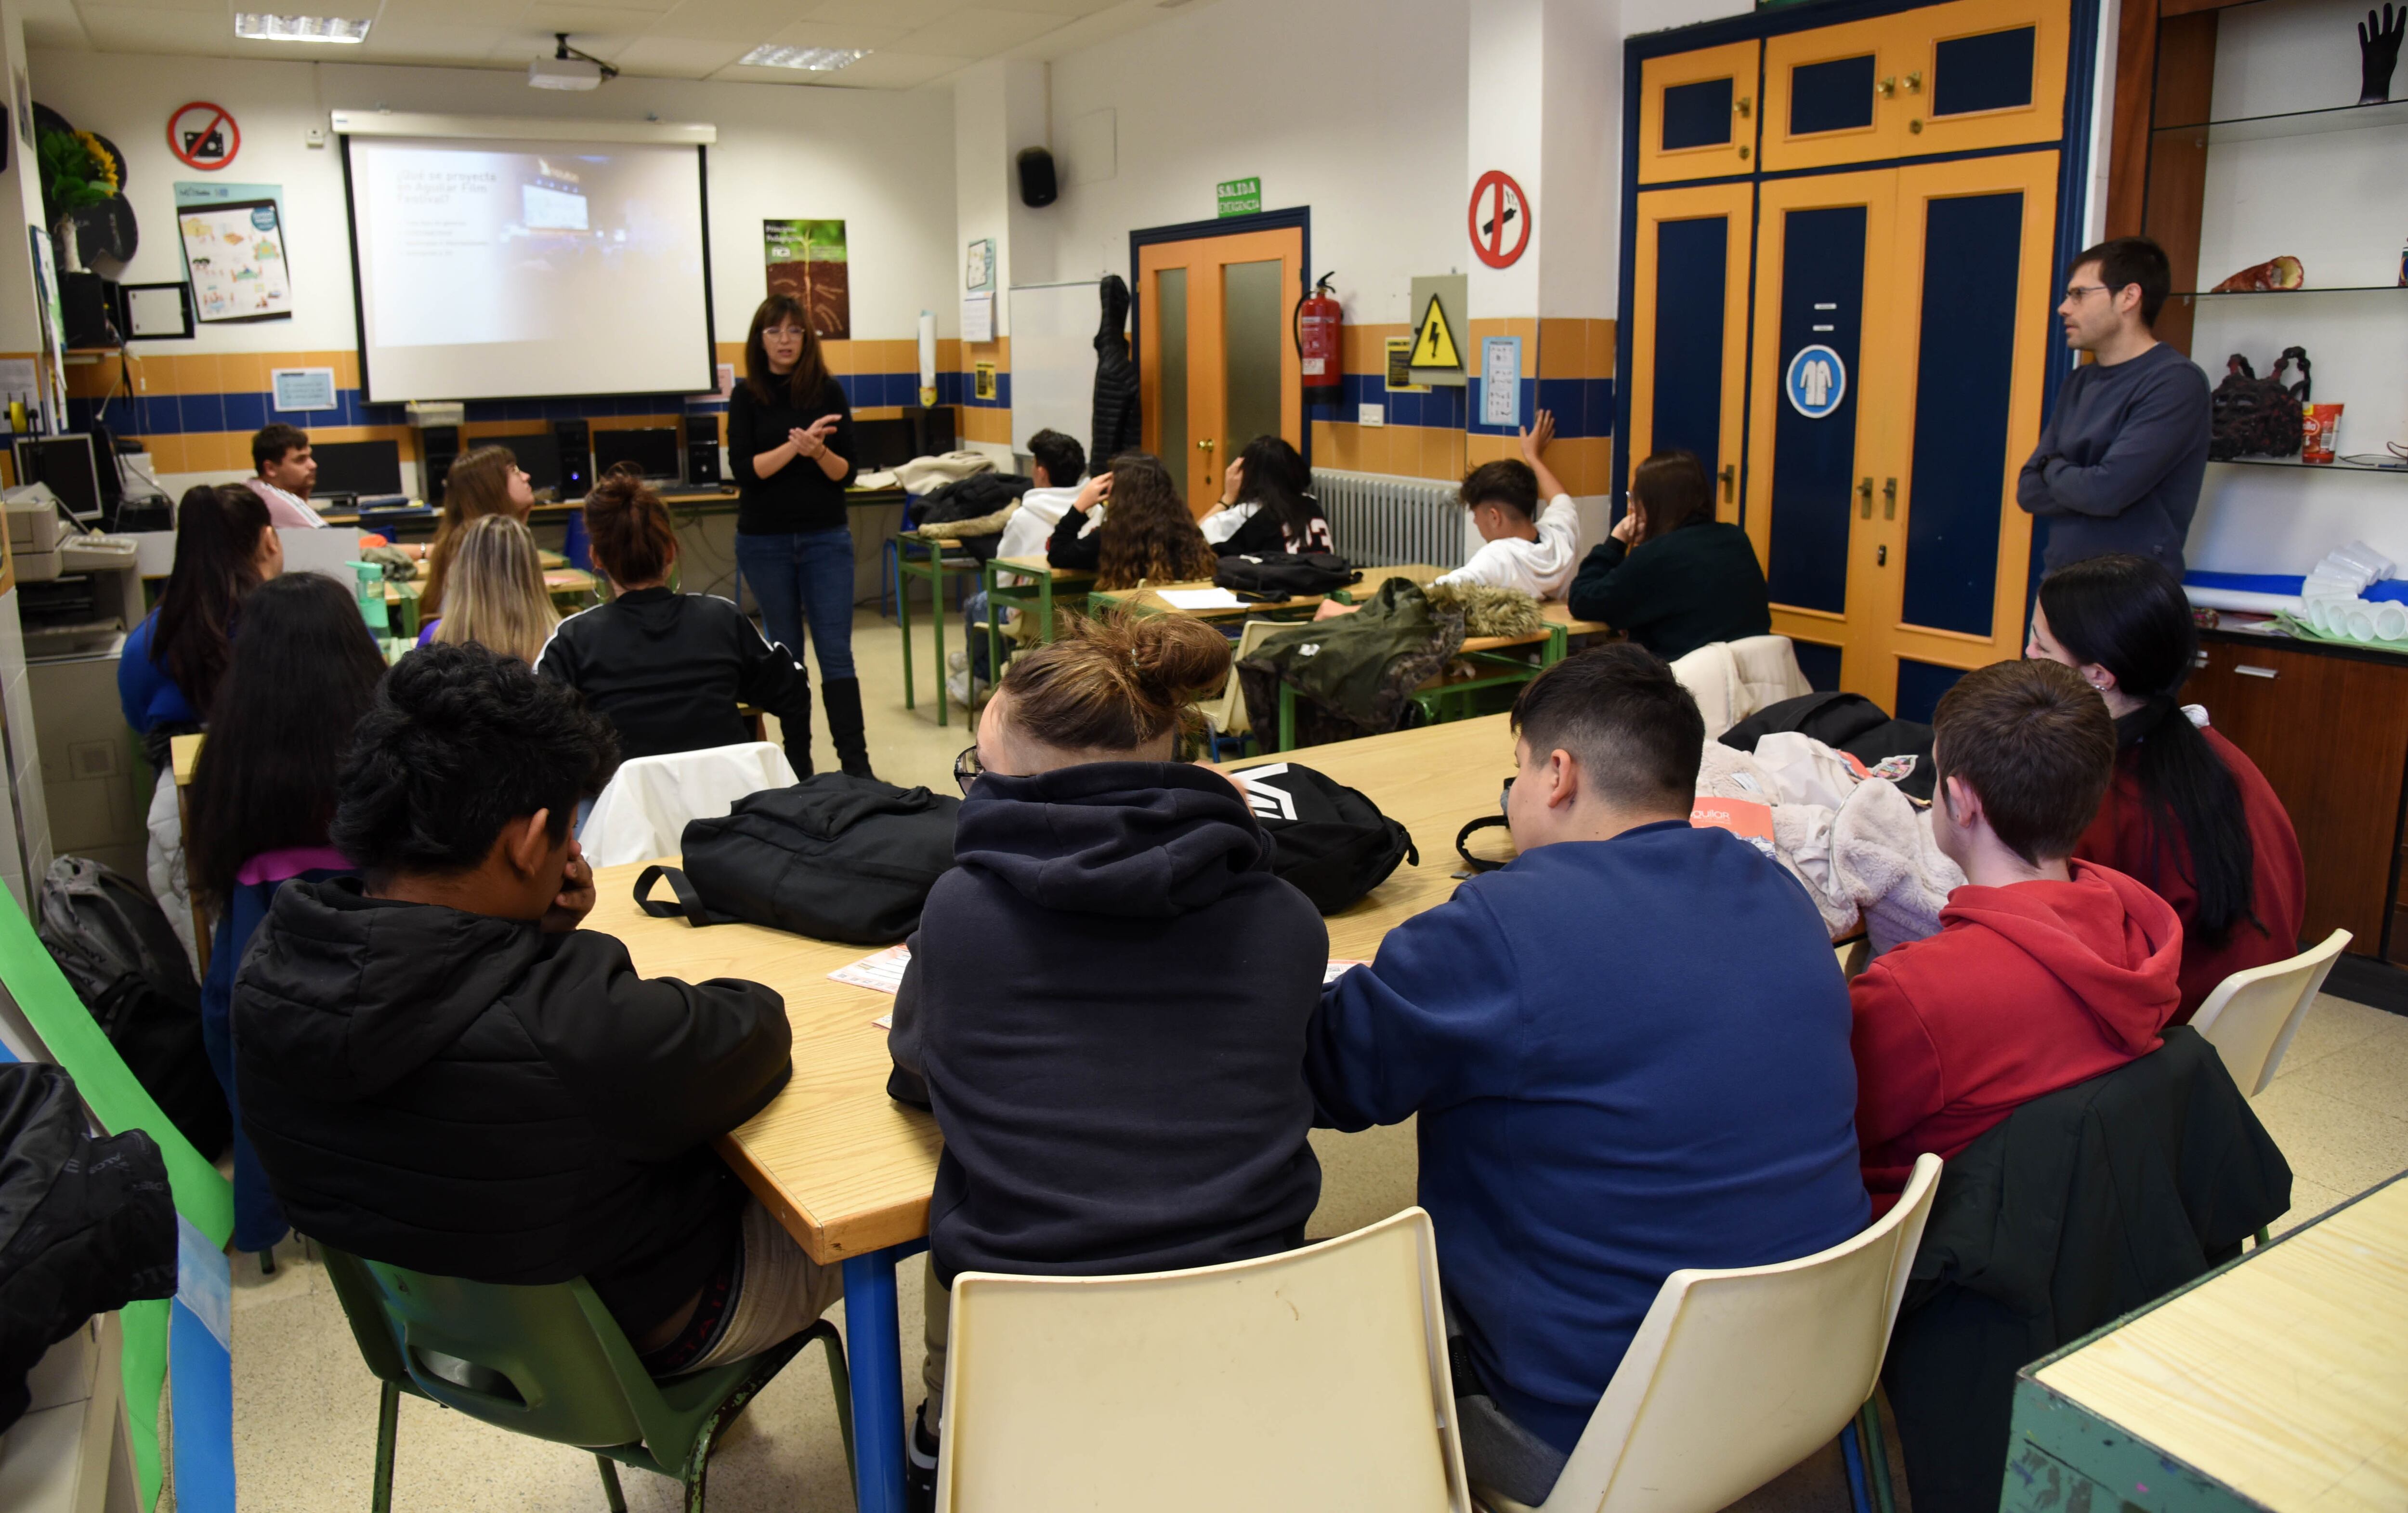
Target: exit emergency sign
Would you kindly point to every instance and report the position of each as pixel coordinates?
(1240, 196)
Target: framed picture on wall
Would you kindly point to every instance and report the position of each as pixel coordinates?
(979, 272)
(235, 254)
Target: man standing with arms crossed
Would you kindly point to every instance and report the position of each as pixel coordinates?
(2119, 464)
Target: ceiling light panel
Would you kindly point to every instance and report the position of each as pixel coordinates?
(817, 60)
(266, 28)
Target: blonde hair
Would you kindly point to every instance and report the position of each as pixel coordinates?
(499, 600)
(477, 484)
(1116, 683)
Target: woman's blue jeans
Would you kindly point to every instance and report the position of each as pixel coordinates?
(804, 576)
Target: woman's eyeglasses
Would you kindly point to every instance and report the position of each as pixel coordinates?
(966, 768)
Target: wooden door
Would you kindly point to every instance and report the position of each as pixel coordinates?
(1216, 365)
(1697, 114)
(1952, 78)
(1688, 345)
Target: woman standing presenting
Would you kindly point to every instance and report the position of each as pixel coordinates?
(790, 441)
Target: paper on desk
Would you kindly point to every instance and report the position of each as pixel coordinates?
(882, 970)
(1201, 598)
(1337, 969)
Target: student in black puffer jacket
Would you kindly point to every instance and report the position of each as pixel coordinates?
(1107, 1000)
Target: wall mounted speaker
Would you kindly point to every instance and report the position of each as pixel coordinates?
(575, 441)
(1037, 186)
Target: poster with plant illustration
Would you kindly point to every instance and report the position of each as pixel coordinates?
(234, 253)
(807, 259)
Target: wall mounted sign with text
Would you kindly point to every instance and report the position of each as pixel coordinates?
(204, 136)
(1501, 219)
(1239, 197)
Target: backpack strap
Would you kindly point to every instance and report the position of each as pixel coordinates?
(689, 905)
(1476, 863)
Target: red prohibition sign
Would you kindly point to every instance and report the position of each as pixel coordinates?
(1500, 219)
(191, 143)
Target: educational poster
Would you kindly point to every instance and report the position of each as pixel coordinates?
(807, 259)
(233, 252)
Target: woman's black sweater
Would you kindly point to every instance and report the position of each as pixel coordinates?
(1066, 548)
(797, 496)
(1697, 585)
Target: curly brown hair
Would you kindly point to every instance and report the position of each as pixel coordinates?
(1147, 534)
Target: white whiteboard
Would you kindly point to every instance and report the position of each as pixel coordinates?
(1054, 360)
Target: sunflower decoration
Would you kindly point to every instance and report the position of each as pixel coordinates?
(83, 186)
(76, 173)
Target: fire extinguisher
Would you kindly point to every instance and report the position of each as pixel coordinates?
(1318, 326)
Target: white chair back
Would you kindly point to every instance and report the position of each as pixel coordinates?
(1312, 1379)
(643, 812)
(1735, 1376)
(1731, 680)
(2252, 1016)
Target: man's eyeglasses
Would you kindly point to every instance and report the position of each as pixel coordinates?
(2076, 292)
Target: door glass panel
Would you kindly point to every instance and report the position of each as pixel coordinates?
(1990, 72)
(1920, 685)
(1698, 115)
(1171, 407)
(1692, 260)
(1253, 322)
(1837, 95)
(1815, 459)
(1964, 367)
(1820, 662)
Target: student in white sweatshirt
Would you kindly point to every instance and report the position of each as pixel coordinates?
(1523, 547)
(1056, 463)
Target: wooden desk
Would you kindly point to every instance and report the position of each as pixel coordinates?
(848, 1170)
(2278, 1382)
(1149, 600)
(1036, 594)
(183, 756)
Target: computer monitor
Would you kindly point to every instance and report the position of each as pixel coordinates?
(655, 449)
(66, 464)
(881, 444)
(366, 469)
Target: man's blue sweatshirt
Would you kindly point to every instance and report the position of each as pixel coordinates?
(1628, 1056)
(2119, 464)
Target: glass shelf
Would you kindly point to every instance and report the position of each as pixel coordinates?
(2398, 469)
(2296, 122)
(2311, 289)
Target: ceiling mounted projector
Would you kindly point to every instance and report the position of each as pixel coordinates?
(569, 70)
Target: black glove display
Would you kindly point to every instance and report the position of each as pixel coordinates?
(2378, 51)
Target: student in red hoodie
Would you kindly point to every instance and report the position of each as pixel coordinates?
(2047, 971)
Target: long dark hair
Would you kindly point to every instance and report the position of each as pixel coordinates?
(2128, 615)
(218, 532)
(1147, 532)
(305, 669)
(1671, 487)
(1274, 476)
(809, 379)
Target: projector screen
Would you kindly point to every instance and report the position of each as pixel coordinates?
(500, 269)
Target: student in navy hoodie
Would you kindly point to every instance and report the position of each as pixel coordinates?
(1107, 1000)
(1628, 1050)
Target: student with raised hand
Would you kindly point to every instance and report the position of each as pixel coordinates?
(485, 481)
(790, 441)
(1672, 577)
(1267, 504)
(1522, 546)
(497, 595)
(1106, 999)
(1147, 535)
(2188, 813)
(441, 1072)
(168, 672)
(1628, 1050)
(2047, 971)
(667, 669)
(304, 670)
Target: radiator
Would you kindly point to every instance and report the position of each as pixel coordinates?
(1376, 520)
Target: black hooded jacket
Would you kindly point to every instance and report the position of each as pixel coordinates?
(470, 1097)
(1105, 1009)
(1119, 420)
(668, 670)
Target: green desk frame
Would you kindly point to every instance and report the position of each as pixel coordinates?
(929, 564)
(1446, 702)
(1034, 596)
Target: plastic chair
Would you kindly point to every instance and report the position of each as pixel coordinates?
(1316, 1379)
(643, 811)
(552, 1363)
(1735, 1376)
(2252, 1016)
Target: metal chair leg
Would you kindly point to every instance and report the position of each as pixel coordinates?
(266, 1260)
(840, 1379)
(610, 1484)
(1876, 1448)
(1851, 1458)
(2264, 1238)
(388, 1428)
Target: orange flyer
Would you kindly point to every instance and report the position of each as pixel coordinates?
(1747, 818)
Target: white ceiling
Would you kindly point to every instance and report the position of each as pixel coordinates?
(910, 42)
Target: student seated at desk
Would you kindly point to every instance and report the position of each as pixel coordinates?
(441, 1072)
(1267, 504)
(1673, 577)
(304, 670)
(283, 474)
(1629, 1052)
(1106, 999)
(2047, 971)
(1056, 463)
(1522, 547)
(168, 670)
(487, 481)
(1147, 535)
(667, 669)
(498, 599)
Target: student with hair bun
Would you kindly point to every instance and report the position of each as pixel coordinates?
(1106, 999)
(667, 669)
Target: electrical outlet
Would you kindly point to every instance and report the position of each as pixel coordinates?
(317, 136)
(1371, 415)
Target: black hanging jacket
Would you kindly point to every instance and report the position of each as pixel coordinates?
(1105, 1009)
(472, 1097)
(1119, 421)
(667, 670)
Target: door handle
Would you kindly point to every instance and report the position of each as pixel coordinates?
(1914, 83)
(1864, 492)
(1741, 107)
(1730, 481)
(1886, 88)
(1889, 499)
(2248, 671)
(1205, 445)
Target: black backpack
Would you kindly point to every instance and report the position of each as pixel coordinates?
(119, 954)
(833, 857)
(1326, 838)
(1285, 574)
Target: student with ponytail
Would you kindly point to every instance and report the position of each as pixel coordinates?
(2188, 814)
(667, 669)
(1106, 999)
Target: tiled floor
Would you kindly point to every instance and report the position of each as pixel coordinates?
(304, 1407)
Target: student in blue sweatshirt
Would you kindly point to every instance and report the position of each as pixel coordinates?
(1628, 1050)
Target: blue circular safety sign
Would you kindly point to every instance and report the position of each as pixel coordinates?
(1817, 381)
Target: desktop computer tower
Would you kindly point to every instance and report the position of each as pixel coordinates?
(702, 459)
(437, 446)
(932, 429)
(574, 439)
